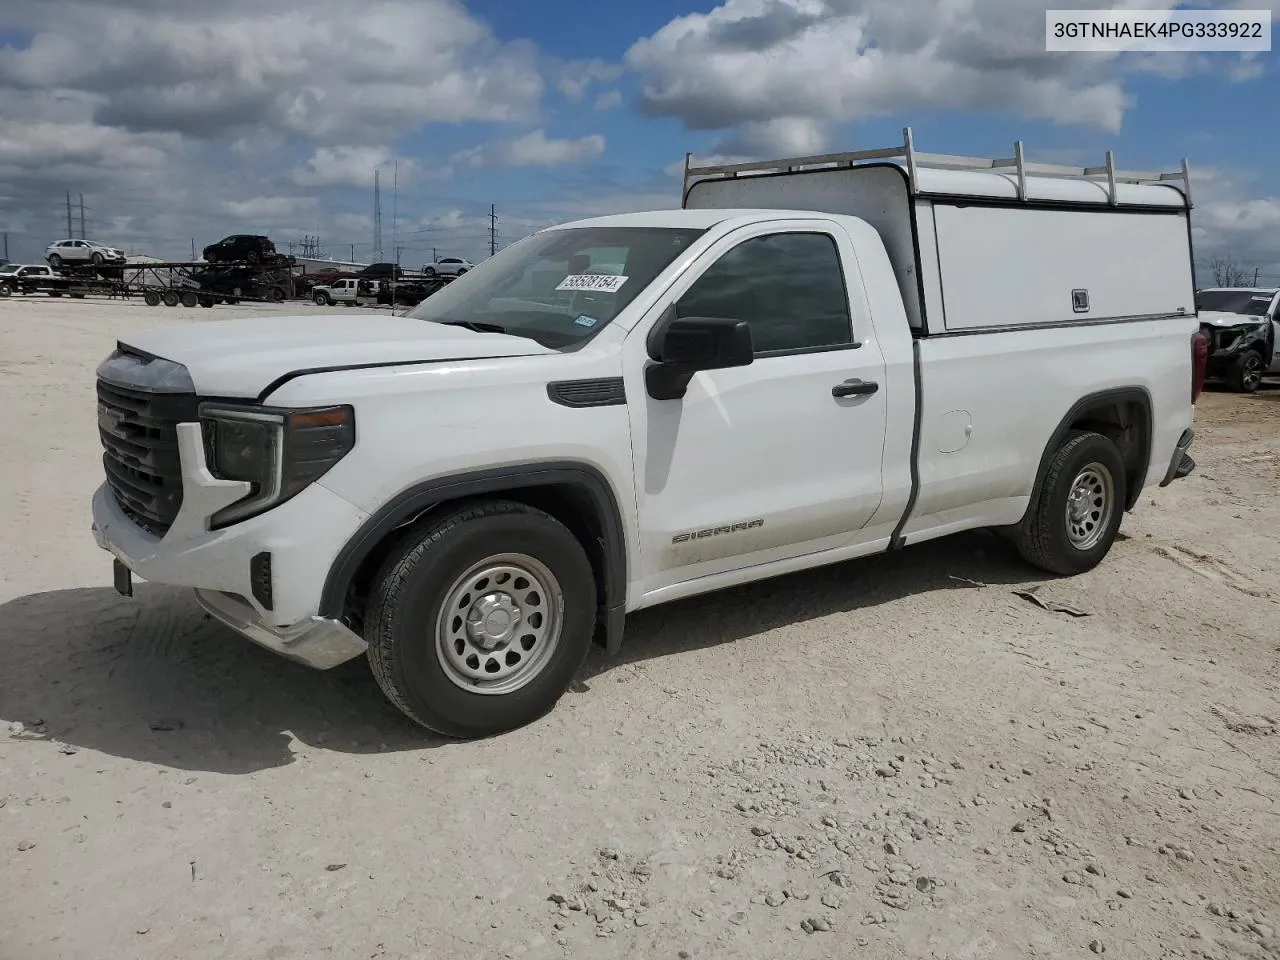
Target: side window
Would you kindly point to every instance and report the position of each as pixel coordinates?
(788, 286)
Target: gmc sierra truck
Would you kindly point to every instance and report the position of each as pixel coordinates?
(814, 359)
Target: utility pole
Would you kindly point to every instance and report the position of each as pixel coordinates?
(1255, 276)
(377, 216)
(6, 245)
(493, 229)
(69, 232)
(353, 254)
(193, 248)
(435, 256)
(82, 236)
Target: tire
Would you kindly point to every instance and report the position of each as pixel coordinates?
(1067, 540)
(189, 299)
(275, 295)
(429, 671)
(97, 259)
(151, 298)
(55, 293)
(429, 272)
(462, 271)
(321, 300)
(55, 261)
(5, 290)
(207, 302)
(1245, 375)
(170, 298)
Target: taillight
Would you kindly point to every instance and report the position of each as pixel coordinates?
(1199, 363)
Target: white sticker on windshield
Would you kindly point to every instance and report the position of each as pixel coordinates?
(602, 282)
(585, 321)
(1261, 299)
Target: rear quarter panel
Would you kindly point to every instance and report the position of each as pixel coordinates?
(991, 402)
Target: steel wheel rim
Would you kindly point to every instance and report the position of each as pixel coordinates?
(500, 624)
(1090, 505)
(1252, 370)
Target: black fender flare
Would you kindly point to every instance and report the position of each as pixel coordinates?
(411, 503)
(1136, 395)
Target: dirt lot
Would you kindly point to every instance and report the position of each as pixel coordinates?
(897, 754)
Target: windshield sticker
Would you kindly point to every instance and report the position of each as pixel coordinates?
(1262, 299)
(585, 321)
(603, 282)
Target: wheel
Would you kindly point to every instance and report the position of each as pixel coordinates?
(1072, 525)
(1246, 372)
(188, 299)
(151, 298)
(55, 261)
(77, 296)
(97, 259)
(170, 298)
(461, 271)
(275, 295)
(252, 256)
(478, 623)
(429, 272)
(6, 290)
(55, 293)
(207, 302)
(321, 300)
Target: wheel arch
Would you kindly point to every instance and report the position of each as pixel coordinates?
(575, 493)
(1124, 415)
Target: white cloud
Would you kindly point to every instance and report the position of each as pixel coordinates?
(268, 208)
(578, 76)
(534, 149)
(760, 61)
(349, 166)
(608, 100)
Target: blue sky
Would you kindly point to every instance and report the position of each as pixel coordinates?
(178, 121)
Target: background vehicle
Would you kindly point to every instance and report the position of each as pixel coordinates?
(381, 271)
(82, 251)
(448, 267)
(32, 278)
(1242, 325)
(349, 291)
(543, 448)
(241, 246)
(236, 282)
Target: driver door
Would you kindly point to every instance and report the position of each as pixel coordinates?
(761, 463)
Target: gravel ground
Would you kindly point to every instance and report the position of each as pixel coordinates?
(895, 757)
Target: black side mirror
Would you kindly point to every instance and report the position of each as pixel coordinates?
(681, 346)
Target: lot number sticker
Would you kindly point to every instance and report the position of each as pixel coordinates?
(602, 282)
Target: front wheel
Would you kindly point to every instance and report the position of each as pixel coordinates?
(321, 300)
(1073, 524)
(97, 259)
(478, 623)
(55, 261)
(1246, 372)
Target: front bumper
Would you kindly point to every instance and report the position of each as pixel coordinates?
(300, 539)
(316, 642)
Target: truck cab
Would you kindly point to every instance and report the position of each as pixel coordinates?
(813, 360)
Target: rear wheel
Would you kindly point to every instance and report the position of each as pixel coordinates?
(1246, 372)
(151, 298)
(479, 622)
(1073, 524)
(170, 298)
(207, 302)
(189, 299)
(55, 261)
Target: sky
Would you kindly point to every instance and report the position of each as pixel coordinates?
(181, 121)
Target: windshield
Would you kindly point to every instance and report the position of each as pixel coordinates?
(558, 287)
(1248, 302)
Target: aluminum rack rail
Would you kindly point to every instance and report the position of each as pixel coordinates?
(915, 161)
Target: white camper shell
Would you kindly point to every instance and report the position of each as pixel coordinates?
(982, 245)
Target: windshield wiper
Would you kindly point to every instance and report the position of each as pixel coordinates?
(473, 326)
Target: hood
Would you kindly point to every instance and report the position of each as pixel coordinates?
(241, 358)
(1216, 318)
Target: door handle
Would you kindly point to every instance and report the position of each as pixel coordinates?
(855, 388)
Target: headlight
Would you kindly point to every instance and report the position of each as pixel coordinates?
(279, 451)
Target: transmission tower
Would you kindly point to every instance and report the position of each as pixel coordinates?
(377, 217)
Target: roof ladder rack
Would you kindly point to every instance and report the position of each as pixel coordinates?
(914, 161)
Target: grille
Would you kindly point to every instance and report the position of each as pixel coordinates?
(139, 432)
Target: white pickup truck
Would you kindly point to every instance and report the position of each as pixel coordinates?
(348, 291)
(816, 359)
